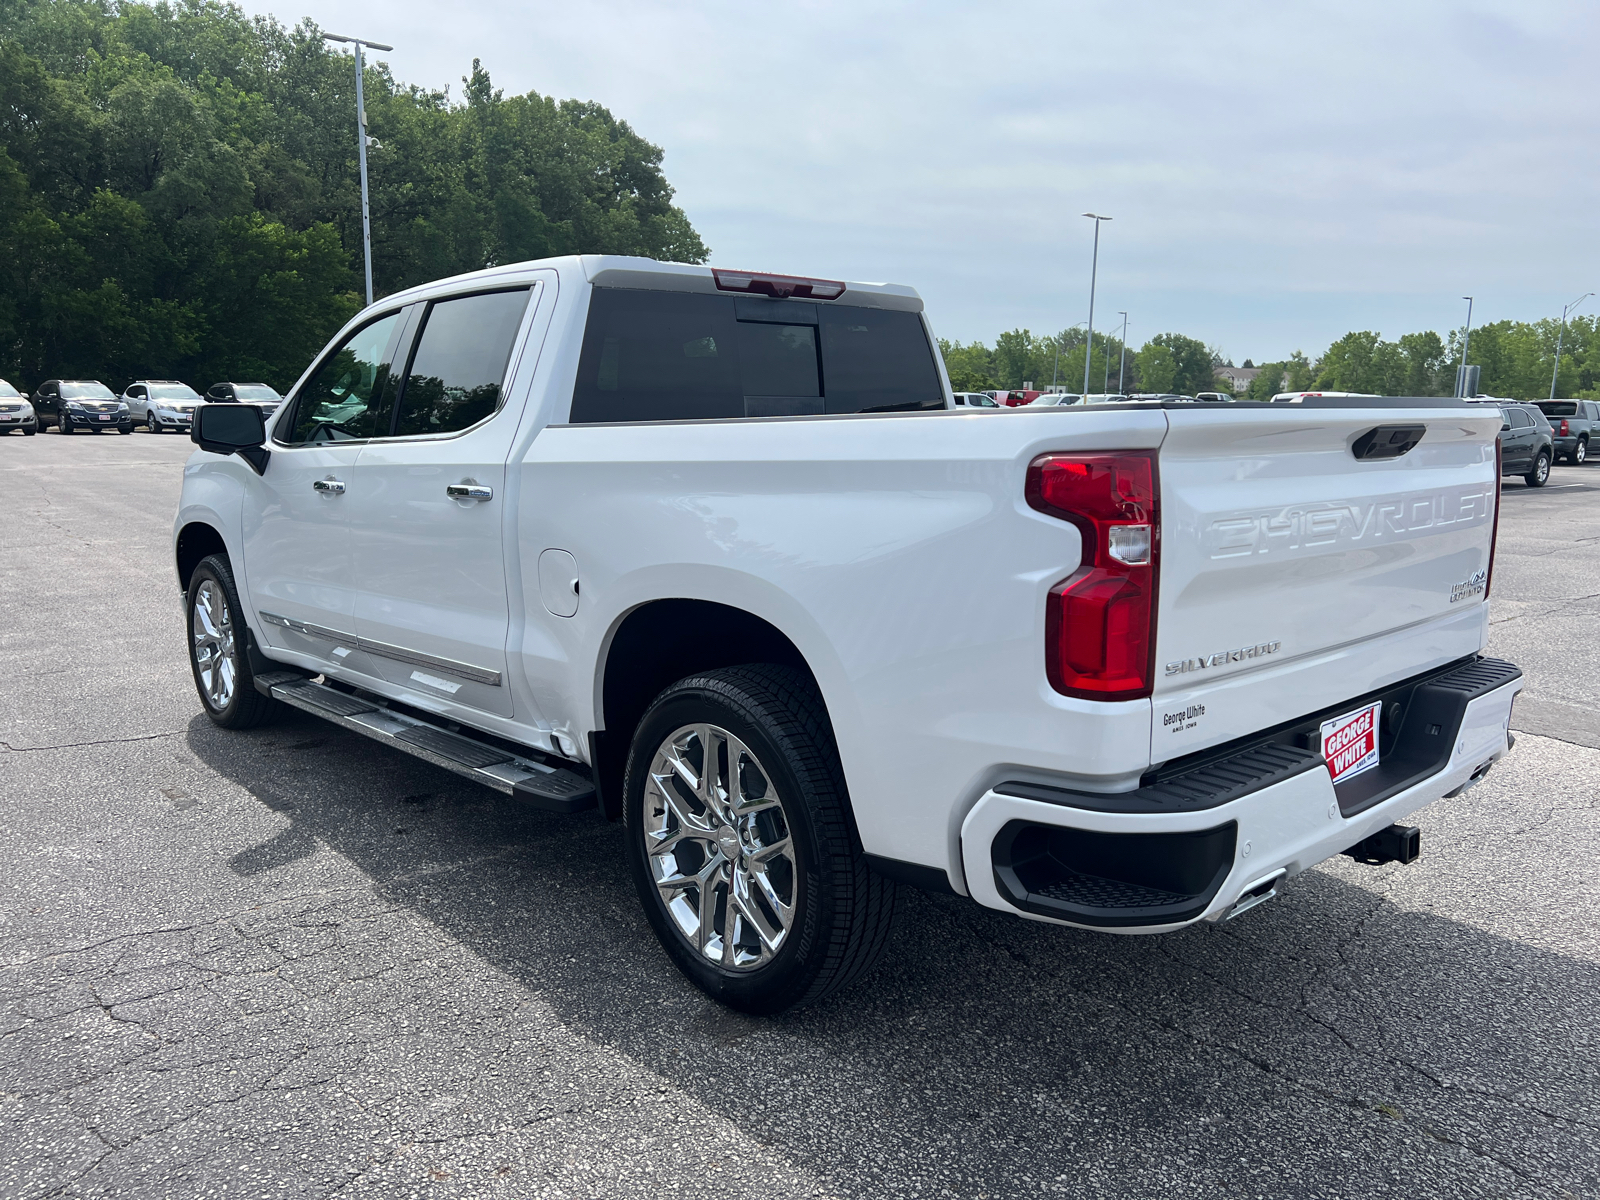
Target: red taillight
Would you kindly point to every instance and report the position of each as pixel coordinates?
(1494, 530)
(1100, 622)
(1563, 430)
(777, 285)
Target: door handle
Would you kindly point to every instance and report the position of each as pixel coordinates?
(469, 491)
(335, 486)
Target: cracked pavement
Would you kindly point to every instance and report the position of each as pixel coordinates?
(293, 963)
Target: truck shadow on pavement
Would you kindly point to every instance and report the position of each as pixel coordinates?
(1330, 1043)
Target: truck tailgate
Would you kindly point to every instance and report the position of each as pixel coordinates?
(1295, 575)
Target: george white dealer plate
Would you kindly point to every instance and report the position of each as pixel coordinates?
(1350, 742)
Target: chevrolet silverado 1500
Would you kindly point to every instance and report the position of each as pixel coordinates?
(707, 548)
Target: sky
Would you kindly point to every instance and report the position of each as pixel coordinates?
(1277, 174)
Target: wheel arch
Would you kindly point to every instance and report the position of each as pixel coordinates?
(195, 541)
(653, 646)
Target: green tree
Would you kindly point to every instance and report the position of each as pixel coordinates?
(179, 195)
(971, 368)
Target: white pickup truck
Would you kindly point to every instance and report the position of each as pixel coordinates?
(707, 548)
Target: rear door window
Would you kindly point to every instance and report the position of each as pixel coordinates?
(1520, 419)
(459, 366)
(673, 356)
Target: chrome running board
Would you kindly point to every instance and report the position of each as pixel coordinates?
(523, 775)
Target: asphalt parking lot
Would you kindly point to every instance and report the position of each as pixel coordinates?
(291, 963)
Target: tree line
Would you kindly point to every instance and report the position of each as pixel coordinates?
(179, 195)
(1517, 360)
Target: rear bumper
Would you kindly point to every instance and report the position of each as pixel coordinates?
(1155, 871)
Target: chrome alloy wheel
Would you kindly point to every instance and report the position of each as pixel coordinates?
(719, 847)
(215, 657)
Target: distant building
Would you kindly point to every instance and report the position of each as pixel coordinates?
(1238, 378)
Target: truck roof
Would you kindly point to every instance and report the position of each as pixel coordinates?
(619, 270)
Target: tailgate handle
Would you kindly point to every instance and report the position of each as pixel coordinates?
(1387, 441)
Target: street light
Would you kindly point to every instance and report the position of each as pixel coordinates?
(361, 148)
(1461, 371)
(1559, 333)
(1094, 267)
(1123, 366)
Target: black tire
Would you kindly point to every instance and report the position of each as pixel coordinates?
(245, 708)
(1540, 475)
(1580, 453)
(124, 428)
(151, 426)
(63, 425)
(842, 910)
(29, 432)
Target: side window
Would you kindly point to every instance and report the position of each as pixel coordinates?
(460, 362)
(1520, 419)
(348, 395)
(137, 391)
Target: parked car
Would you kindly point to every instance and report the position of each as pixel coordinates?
(1573, 422)
(974, 400)
(1017, 399)
(15, 411)
(259, 394)
(1056, 400)
(1216, 398)
(74, 404)
(751, 640)
(161, 404)
(1527, 442)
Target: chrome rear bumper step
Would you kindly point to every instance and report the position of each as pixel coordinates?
(525, 776)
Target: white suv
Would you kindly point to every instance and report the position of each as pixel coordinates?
(161, 404)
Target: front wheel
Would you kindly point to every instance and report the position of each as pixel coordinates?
(63, 425)
(741, 842)
(217, 658)
(1540, 475)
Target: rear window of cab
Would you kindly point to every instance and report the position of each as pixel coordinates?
(674, 356)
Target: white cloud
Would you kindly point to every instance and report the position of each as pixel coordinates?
(1279, 174)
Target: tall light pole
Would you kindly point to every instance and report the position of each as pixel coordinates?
(1559, 334)
(1122, 368)
(1094, 269)
(1461, 371)
(361, 148)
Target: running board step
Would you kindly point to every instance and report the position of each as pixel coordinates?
(557, 789)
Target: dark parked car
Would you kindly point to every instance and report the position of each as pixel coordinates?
(1527, 443)
(15, 411)
(1574, 423)
(259, 394)
(74, 404)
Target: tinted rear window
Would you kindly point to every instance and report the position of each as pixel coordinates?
(1559, 408)
(673, 356)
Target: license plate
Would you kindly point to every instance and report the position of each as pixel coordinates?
(1350, 742)
(105, 418)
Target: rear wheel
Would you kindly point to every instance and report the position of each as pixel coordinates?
(1540, 475)
(742, 845)
(1580, 452)
(217, 638)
